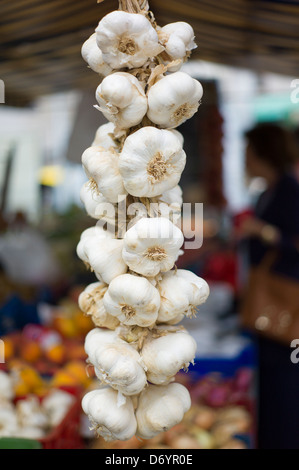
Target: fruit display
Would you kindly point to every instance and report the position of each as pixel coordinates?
(28, 410)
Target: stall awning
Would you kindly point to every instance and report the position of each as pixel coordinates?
(41, 40)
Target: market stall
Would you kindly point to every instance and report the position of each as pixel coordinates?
(48, 313)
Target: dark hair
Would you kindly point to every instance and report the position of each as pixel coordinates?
(274, 145)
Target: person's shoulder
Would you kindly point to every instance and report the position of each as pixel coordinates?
(290, 184)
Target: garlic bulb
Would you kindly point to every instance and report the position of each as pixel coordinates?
(178, 39)
(151, 162)
(119, 365)
(110, 419)
(160, 407)
(101, 166)
(92, 54)
(181, 292)
(94, 202)
(163, 356)
(31, 414)
(6, 386)
(8, 422)
(127, 39)
(151, 246)
(99, 337)
(57, 404)
(133, 300)
(90, 301)
(104, 136)
(174, 99)
(122, 100)
(103, 254)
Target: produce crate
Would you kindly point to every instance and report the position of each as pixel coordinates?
(67, 434)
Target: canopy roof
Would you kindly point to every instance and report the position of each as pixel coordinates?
(40, 41)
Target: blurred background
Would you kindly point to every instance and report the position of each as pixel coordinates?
(247, 61)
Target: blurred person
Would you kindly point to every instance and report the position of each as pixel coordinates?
(271, 154)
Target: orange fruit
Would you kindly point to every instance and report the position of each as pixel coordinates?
(78, 370)
(65, 326)
(56, 353)
(9, 348)
(63, 378)
(31, 351)
(83, 322)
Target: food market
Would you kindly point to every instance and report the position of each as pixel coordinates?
(149, 259)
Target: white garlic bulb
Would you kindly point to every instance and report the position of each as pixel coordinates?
(92, 54)
(178, 39)
(101, 166)
(103, 253)
(122, 100)
(30, 413)
(90, 301)
(151, 162)
(181, 292)
(6, 386)
(151, 246)
(127, 39)
(174, 99)
(99, 337)
(133, 300)
(119, 365)
(160, 407)
(104, 136)
(94, 202)
(163, 356)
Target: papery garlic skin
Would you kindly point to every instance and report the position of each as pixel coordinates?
(151, 162)
(97, 338)
(103, 253)
(127, 39)
(101, 166)
(151, 246)
(133, 300)
(174, 99)
(110, 420)
(93, 201)
(92, 54)
(178, 39)
(160, 407)
(119, 365)
(90, 301)
(122, 100)
(164, 356)
(104, 137)
(181, 292)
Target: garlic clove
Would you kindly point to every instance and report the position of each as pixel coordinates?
(178, 39)
(174, 99)
(160, 407)
(101, 166)
(90, 301)
(151, 246)
(122, 99)
(92, 54)
(109, 418)
(118, 365)
(104, 136)
(127, 39)
(151, 162)
(163, 356)
(133, 300)
(181, 292)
